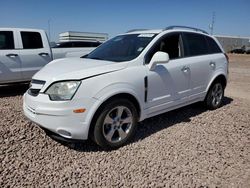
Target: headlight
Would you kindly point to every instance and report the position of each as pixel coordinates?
(63, 90)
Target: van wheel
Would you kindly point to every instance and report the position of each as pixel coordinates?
(116, 124)
(215, 96)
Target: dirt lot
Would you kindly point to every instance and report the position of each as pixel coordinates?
(239, 76)
(189, 147)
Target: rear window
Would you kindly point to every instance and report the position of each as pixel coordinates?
(195, 44)
(6, 40)
(213, 46)
(31, 40)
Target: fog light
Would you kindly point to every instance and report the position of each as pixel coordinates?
(64, 133)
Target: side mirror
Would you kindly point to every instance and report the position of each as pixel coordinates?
(158, 58)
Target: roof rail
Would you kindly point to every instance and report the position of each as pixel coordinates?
(132, 30)
(185, 27)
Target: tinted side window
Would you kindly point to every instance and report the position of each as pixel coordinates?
(6, 40)
(171, 44)
(195, 44)
(31, 40)
(213, 46)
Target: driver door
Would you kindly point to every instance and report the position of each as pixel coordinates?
(168, 83)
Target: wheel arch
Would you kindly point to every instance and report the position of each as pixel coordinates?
(208, 100)
(219, 77)
(123, 95)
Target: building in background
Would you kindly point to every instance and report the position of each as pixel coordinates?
(230, 43)
(82, 36)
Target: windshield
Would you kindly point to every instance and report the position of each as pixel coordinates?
(122, 48)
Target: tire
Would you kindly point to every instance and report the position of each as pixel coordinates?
(214, 96)
(116, 124)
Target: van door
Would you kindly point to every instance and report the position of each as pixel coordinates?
(168, 84)
(35, 52)
(10, 64)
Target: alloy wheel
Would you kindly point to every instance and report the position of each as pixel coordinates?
(217, 94)
(117, 124)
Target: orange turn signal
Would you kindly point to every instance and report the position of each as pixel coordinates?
(80, 110)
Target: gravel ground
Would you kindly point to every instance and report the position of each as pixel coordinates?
(188, 147)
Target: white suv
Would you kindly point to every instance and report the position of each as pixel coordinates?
(129, 78)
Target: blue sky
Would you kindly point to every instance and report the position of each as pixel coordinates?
(114, 16)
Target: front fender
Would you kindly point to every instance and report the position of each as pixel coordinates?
(121, 88)
(110, 91)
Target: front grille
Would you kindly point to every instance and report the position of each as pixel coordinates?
(35, 87)
(33, 92)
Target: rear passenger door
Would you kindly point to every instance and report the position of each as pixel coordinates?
(10, 65)
(35, 52)
(200, 62)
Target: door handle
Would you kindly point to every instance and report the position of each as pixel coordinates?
(185, 69)
(12, 55)
(43, 54)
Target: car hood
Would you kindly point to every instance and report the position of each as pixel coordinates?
(76, 68)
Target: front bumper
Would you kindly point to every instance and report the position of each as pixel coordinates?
(58, 116)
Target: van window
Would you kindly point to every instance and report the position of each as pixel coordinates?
(195, 44)
(6, 40)
(213, 46)
(31, 40)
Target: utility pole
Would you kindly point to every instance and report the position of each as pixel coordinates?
(211, 26)
(49, 29)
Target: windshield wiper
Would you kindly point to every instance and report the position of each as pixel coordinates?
(86, 56)
(95, 58)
